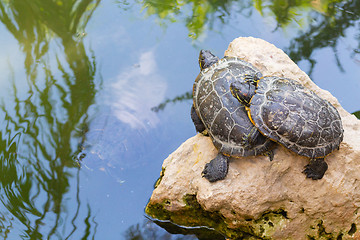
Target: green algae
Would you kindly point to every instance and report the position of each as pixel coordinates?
(193, 215)
(321, 233)
(264, 227)
(158, 181)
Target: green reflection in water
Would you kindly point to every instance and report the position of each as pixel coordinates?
(357, 114)
(44, 125)
(320, 24)
(198, 15)
(180, 98)
(327, 30)
(300, 12)
(148, 230)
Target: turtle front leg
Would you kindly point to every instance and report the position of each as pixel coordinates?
(316, 168)
(199, 125)
(270, 154)
(217, 168)
(251, 139)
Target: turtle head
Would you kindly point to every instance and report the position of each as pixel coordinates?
(206, 59)
(243, 91)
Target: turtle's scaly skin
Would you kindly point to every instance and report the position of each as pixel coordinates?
(226, 120)
(296, 117)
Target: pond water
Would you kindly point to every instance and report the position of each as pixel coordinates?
(95, 94)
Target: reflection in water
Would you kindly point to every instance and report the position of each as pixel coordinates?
(319, 24)
(136, 91)
(49, 112)
(198, 15)
(43, 125)
(150, 231)
(129, 99)
(327, 30)
(180, 98)
(357, 114)
(201, 15)
(6, 225)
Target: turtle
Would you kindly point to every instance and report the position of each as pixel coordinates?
(217, 113)
(288, 113)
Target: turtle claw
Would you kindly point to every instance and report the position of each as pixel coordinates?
(270, 154)
(216, 169)
(250, 140)
(316, 168)
(245, 142)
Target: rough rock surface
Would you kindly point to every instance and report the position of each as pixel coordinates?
(259, 198)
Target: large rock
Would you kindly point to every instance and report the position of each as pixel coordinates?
(259, 198)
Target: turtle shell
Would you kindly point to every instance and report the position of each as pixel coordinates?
(225, 119)
(296, 117)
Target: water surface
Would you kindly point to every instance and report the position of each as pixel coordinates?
(96, 94)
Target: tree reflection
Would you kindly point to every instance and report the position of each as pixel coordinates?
(197, 15)
(149, 230)
(44, 123)
(180, 98)
(328, 22)
(326, 31)
(320, 23)
(357, 114)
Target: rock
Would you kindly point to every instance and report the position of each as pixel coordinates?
(259, 198)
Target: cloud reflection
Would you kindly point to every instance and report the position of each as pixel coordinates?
(136, 90)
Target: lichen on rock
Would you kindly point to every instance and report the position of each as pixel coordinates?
(260, 199)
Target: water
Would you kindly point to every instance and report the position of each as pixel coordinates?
(96, 94)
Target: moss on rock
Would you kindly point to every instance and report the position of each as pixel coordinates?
(193, 215)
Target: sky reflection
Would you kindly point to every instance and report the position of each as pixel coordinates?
(137, 89)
